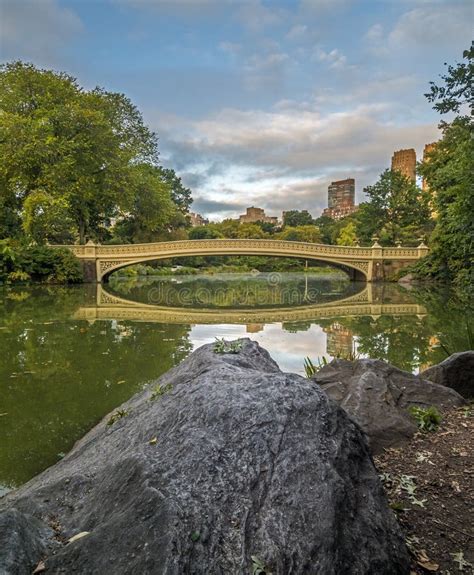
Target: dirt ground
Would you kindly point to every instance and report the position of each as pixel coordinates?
(430, 486)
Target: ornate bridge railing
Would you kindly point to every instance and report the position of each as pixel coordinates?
(364, 263)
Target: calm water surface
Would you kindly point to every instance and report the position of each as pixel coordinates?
(69, 355)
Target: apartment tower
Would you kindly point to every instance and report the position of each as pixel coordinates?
(404, 161)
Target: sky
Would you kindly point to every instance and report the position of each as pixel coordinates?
(257, 102)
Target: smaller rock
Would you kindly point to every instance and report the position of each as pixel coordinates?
(457, 372)
(378, 396)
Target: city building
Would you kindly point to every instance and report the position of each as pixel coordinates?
(257, 215)
(404, 161)
(197, 220)
(341, 197)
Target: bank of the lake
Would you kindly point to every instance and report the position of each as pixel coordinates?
(73, 353)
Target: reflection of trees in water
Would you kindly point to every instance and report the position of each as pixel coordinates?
(296, 326)
(270, 290)
(412, 342)
(64, 375)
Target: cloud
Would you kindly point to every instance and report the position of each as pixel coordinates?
(438, 25)
(256, 17)
(36, 31)
(220, 209)
(297, 32)
(334, 58)
(285, 158)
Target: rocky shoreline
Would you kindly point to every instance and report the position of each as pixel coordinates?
(228, 465)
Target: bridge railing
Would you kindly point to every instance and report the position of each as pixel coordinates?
(93, 251)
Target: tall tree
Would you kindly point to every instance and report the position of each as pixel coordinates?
(448, 172)
(74, 148)
(397, 209)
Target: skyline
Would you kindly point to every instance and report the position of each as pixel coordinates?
(257, 103)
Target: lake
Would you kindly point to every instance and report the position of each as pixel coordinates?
(70, 355)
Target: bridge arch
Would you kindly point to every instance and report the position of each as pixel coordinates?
(353, 271)
(362, 263)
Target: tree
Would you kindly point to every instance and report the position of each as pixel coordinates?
(77, 149)
(448, 172)
(249, 230)
(397, 209)
(46, 218)
(458, 89)
(301, 234)
(180, 195)
(295, 218)
(347, 235)
(204, 233)
(326, 226)
(149, 211)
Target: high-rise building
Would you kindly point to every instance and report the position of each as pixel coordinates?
(404, 161)
(341, 195)
(253, 215)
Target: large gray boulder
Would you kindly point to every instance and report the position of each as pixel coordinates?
(378, 396)
(232, 464)
(457, 372)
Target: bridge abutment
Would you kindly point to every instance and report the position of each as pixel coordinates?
(89, 271)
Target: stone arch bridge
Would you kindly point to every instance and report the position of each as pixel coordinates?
(361, 263)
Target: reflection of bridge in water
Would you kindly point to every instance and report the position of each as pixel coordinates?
(109, 306)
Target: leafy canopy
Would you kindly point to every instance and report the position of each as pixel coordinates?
(73, 161)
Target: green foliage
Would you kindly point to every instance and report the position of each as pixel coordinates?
(160, 390)
(149, 210)
(74, 160)
(116, 416)
(294, 218)
(180, 195)
(258, 566)
(46, 218)
(448, 173)
(204, 233)
(427, 419)
(397, 210)
(347, 235)
(222, 346)
(458, 88)
(309, 367)
(307, 233)
(38, 263)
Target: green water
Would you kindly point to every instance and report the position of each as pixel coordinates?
(69, 355)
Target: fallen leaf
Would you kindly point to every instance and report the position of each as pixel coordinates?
(40, 568)
(153, 441)
(424, 561)
(121, 381)
(78, 536)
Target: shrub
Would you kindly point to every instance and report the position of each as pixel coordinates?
(427, 419)
(38, 263)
